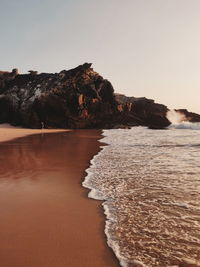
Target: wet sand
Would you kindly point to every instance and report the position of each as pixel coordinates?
(8, 132)
(46, 219)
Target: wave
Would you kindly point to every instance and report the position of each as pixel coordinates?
(108, 209)
(148, 182)
(186, 125)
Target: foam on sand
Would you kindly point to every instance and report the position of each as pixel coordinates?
(149, 183)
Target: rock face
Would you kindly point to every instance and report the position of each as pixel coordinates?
(190, 116)
(142, 111)
(6, 76)
(77, 98)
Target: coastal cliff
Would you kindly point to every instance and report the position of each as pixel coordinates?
(77, 98)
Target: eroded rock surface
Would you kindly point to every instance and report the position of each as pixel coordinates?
(189, 116)
(77, 98)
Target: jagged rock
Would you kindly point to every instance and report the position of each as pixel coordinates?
(142, 111)
(77, 98)
(6, 76)
(190, 116)
(33, 72)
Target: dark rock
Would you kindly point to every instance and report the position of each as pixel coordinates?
(142, 111)
(77, 98)
(190, 116)
(33, 72)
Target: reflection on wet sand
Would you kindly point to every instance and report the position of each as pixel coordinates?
(46, 218)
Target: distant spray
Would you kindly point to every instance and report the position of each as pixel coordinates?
(176, 117)
(180, 121)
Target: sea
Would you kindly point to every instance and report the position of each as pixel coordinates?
(149, 181)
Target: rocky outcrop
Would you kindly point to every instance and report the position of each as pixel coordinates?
(142, 111)
(189, 116)
(6, 76)
(77, 98)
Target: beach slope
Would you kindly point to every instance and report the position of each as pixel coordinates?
(46, 218)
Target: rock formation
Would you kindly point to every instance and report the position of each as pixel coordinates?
(77, 98)
(33, 72)
(190, 116)
(6, 76)
(142, 111)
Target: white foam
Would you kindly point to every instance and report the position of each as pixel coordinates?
(175, 117)
(151, 174)
(186, 125)
(96, 194)
(113, 244)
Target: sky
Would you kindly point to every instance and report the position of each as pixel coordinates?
(145, 48)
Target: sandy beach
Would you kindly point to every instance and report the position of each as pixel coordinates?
(8, 132)
(46, 218)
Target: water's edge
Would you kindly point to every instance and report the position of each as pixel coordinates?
(147, 182)
(97, 195)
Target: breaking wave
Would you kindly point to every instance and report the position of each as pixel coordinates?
(179, 121)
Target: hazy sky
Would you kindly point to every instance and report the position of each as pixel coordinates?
(144, 47)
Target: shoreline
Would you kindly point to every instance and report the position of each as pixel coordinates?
(44, 175)
(8, 132)
(102, 211)
(94, 194)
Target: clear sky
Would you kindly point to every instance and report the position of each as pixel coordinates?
(144, 47)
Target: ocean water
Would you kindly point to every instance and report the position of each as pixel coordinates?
(150, 183)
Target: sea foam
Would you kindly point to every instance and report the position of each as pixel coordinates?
(149, 182)
(179, 121)
(186, 125)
